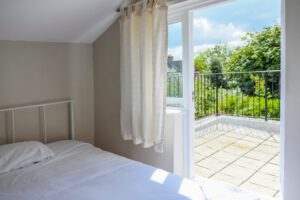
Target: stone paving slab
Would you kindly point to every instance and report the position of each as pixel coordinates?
(249, 163)
(244, 157)
(225, 156)
(226, 178)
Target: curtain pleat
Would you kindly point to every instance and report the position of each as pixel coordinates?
(159, 70)
(125, 79)
(147, 77)
(135, 54)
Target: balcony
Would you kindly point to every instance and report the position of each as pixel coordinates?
(237, 117)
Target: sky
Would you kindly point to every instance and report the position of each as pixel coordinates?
(226, 23)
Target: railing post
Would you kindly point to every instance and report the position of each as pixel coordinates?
(217, 95)
(266, 96)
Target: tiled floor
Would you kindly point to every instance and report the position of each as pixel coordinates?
(245, 157)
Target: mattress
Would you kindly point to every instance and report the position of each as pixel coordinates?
(82, 172)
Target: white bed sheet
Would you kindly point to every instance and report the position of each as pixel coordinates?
(80, 171)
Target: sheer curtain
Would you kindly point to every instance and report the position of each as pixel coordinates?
(143, 28)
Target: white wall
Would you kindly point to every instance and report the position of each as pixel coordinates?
(34, 72)
(290, 115)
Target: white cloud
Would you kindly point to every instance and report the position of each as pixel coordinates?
(278, 21)
(235, 43)
(203, 47)
(176, 52)
(213, 31)
(231, 44)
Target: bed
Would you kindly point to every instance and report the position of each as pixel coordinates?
(80, 171)
(77, 170)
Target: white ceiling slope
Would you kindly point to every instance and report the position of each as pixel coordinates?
(71, 21)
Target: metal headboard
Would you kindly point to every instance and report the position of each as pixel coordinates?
(44, 119)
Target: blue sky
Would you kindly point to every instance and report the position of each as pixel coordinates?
(226, 23)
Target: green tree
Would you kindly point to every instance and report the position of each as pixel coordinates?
(261, 51)
(200, 63)
(212, 58)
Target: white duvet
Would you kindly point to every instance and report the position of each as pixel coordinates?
(80, 171)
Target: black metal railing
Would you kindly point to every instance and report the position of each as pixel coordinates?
(174, 86)
(248, 94)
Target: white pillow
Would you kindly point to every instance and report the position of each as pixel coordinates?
(22, 154)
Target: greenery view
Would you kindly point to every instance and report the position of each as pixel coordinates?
(242, 81)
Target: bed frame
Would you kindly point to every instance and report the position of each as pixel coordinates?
(43, 107)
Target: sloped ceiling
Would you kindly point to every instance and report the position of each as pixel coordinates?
(71, 21)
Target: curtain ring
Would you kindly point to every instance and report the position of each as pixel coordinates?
(154, 3)
(123, 13)
(162, 3)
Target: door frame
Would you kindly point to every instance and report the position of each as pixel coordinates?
(185, 18)
(183, 12)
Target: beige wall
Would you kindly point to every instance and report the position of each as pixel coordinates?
(107, 107)
(33, 72)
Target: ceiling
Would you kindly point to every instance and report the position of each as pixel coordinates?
(71, 21)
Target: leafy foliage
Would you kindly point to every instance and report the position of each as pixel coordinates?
(233, 102)
(261, 51)
(212, 60)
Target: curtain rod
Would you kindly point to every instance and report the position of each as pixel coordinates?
(169, 2)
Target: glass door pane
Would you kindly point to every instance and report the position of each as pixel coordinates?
(175, 79)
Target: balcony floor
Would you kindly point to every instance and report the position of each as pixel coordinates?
(244, 157)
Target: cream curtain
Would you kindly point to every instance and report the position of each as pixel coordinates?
(143, 72)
